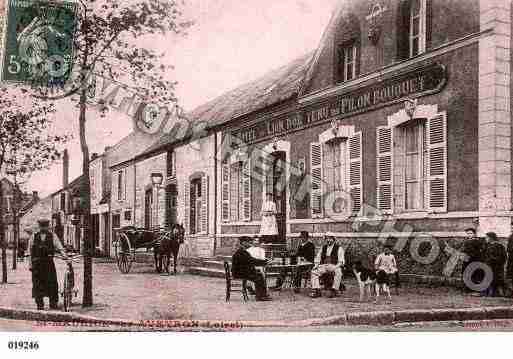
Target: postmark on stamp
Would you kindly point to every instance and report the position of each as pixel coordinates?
(38, 42)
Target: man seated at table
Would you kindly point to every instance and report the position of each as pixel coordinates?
(256, 251)
(244, 267)
(305, 251)
(329, 260)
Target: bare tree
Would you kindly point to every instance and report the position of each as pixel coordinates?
(25, 143)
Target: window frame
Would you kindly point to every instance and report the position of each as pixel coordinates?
(348, 50)
(422, 30)
(422, 176)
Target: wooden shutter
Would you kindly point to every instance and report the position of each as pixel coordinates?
(398, 170)
(355, 171)
(384, 168)
(115, 182)
(316, 179)
(429, 23)
(187, 206)
(204, 205)
(225, 191)
(124, 184)
(234, 190)
(246, 190)
(437, 165)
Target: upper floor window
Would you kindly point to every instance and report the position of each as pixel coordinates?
(414, 28)
(348, 61)
(417, 41)
(121, 185)
(92, 182)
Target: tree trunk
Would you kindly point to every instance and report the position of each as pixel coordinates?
(2, 235)
(87, 299)
(15, 210)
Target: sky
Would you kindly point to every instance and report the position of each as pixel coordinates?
(231, 43)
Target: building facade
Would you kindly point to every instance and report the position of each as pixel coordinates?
(399, 126)
(100, 182)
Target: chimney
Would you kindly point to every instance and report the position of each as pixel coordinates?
(107, 148)
(65, 169)
(35, 195)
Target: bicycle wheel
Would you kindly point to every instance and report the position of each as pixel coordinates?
(66, 292)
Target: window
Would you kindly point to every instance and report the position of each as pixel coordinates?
(335, 167)
(171, 204)
(196, 204)
(348, 61)
(92, 182)
(336, 175)
(116, 221)
(63, 201)
(236, 190)
(412, 165)
(128, 215)
(415, 169)
(121, 185)
(417, 40)
(8, 204)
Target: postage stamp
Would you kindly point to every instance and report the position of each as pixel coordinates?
(207, 165)
(38, 42)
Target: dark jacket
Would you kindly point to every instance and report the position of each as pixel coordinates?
(496, 258)
(44, 276)
(475, 249)
(333, 259)
(307, 251)
(509, 269)
(243, 265)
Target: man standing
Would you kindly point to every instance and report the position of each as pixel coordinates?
(329, 260)
(243, 267)
(474, 248)
(42, 247)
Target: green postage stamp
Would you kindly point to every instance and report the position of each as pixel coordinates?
(37, 44)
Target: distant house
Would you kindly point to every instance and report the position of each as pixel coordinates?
(42, 208)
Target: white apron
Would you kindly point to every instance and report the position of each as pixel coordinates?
(269, 226)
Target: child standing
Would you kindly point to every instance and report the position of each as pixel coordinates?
(386, 266)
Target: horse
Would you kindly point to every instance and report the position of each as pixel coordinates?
(167, 244)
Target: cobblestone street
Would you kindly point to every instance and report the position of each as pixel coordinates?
(146, 295)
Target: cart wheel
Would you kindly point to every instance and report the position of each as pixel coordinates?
(124, 256)
(66, 293)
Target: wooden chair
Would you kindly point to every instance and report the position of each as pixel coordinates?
(234, 285)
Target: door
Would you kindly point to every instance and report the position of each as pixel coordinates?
(148, 201)
(279, 192)
(106, 231)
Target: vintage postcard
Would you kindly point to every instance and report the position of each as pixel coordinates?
(241, 166)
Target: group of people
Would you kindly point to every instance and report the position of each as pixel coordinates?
(249, 261)
(489, 251)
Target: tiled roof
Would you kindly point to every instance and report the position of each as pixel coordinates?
(274, 87)
(129, 147)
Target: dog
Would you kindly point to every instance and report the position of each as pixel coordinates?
(366, 280)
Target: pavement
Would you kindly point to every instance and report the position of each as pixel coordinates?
(149, 300)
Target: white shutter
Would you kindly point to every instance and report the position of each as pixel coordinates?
(316, 179)
(225, 191)
(384, 149)
(246, 190)
(355, 171)
(204, 204)
(115, 182)
(437, 165)
(124, 184)
(187, 206)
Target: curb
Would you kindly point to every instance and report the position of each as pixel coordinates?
(349, 319)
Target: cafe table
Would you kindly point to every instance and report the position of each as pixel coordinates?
(287, 270)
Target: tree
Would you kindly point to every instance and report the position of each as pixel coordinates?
(26, 144)
(111, 39)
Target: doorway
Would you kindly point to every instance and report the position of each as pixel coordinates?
(148, 202)
(278, 181)
(106, 233)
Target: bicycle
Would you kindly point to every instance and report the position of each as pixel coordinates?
(68, 285)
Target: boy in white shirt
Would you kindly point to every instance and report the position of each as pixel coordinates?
(386, 266)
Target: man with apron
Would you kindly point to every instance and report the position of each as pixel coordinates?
(42, 247)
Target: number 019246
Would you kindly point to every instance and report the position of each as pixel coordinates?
(22, 345)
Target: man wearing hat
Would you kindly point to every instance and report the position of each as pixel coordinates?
(329, 260)
(244, 267)
(42, 246)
